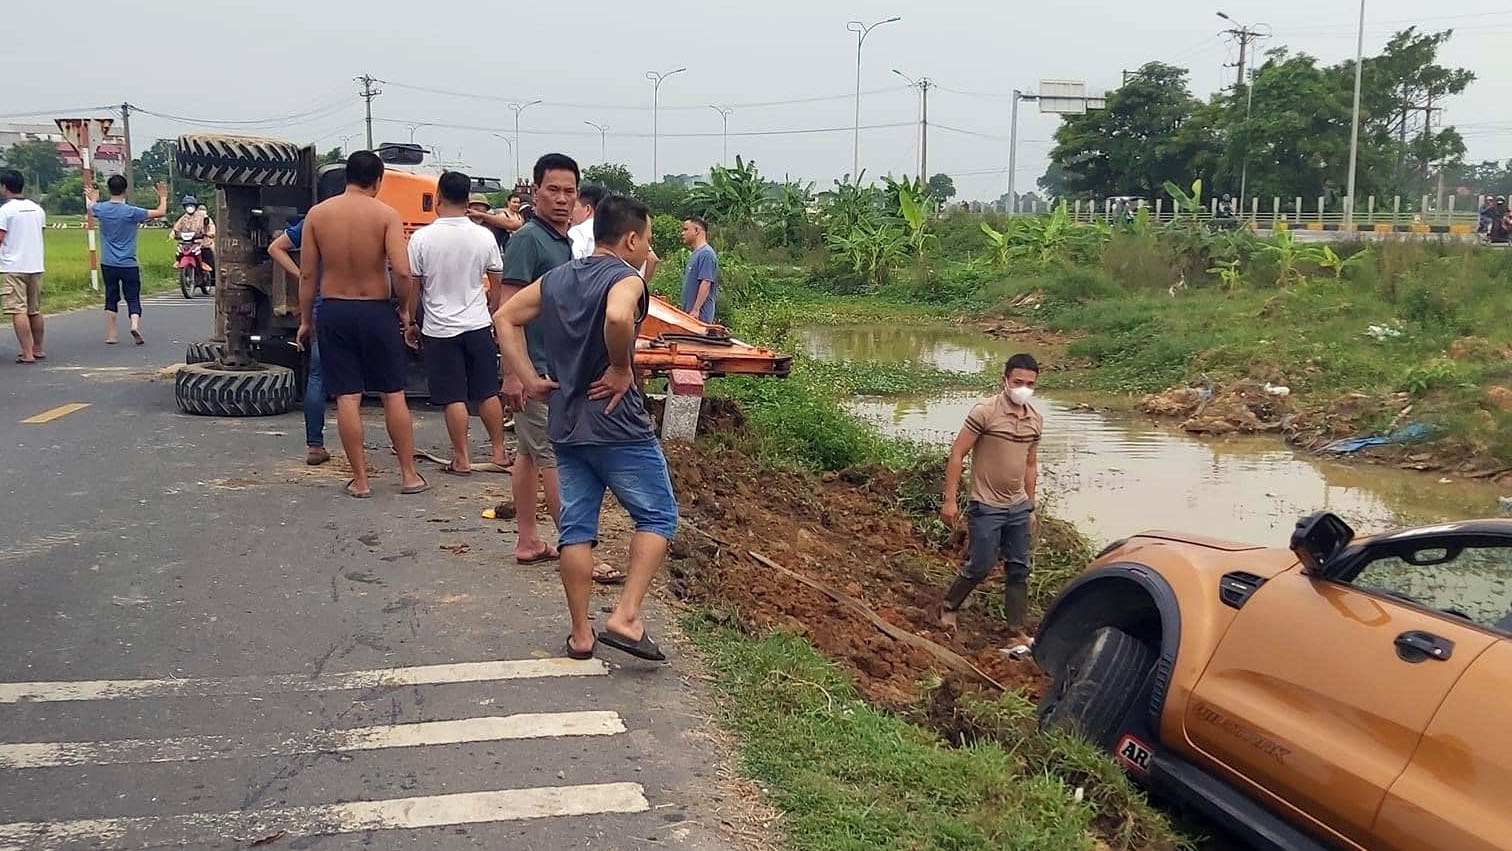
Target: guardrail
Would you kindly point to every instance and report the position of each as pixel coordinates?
(1293, 213)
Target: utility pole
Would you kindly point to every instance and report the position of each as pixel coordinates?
(862, 30)
(1245, 35)
(923, 84)
(368, 93)
(724, 113)
(1354, 124)
(603, 140)
(1013, 153)
(126, 147)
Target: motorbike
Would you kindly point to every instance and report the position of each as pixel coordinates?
(193, 272)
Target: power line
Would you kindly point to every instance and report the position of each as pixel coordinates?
(801, 131)
(53, 112)
(278, 121)
(624, 107)
(368, 93)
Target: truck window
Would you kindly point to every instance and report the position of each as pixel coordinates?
(1475, 583)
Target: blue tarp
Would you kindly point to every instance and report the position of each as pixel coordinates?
(1411, 433)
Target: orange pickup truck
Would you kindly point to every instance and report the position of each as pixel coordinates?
(1343, 693)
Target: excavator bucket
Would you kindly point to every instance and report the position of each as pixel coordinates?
(671, 339)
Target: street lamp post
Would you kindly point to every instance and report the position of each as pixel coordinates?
(603, 140)
(656, 78)
(509, 142)
(1354, 125)
(861, 30)
(414, 127)
(519, 108)
(347, 140)
(724, 113)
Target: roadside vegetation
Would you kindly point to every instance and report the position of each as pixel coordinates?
(65, 285)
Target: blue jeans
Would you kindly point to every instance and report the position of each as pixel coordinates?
(636, 473)
(998, 533)
(315, 400)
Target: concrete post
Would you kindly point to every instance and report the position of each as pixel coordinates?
(1321, 200)
(1255, 209)
(1298, 209)
(684, 400)
(1396, 209)
(1159, 208)
(1275, 209)
(1449, 211)
(1213, 208)
(1076, 211)
(1370, 209)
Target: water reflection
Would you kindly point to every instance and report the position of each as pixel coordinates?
(1115, 473)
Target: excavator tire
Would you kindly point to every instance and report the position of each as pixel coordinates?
(267, 391)
(204, 351)
(238, 160)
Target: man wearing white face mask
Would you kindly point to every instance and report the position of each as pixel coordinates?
(1002, 436)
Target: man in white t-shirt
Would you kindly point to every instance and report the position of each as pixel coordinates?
(450, 260)
(581, 232)
(21, 224)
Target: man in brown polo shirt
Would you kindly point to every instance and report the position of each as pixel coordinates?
(1002, 435)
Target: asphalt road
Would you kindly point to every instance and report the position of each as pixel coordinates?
(207, 645)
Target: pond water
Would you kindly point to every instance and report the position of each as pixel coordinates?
(1113, 472)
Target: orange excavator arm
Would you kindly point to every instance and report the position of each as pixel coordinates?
(671, 339)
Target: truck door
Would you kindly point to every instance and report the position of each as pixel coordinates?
(1455, 792)
(1320, 690)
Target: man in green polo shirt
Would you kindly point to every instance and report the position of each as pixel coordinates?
(535, 249)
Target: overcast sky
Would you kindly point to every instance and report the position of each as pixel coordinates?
(587, 60)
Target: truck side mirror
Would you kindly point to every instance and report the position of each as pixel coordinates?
(1318, 540)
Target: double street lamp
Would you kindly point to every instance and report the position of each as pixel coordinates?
(656, 78)
(724, 113)
(603, 139)
(862, 30)
(519, 108)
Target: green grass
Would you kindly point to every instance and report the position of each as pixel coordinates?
(66, 283)
(848, 776)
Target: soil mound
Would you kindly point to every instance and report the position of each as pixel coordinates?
(844, 530)
(1244, 407)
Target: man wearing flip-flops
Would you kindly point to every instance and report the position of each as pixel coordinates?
(449, 260)
(588, 313)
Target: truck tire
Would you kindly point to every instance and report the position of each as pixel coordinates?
(238, 160)
(1095, 689)
(204, 351)
(263, 392)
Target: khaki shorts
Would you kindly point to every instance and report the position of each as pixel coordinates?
(530, 428)
(21, 293)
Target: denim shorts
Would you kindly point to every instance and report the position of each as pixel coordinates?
(636, 473)
(998, 533)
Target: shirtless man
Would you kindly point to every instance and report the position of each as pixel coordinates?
(353, 245)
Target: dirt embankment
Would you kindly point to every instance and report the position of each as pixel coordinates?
(845, 531)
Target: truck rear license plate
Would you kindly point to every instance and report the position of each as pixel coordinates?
(1133, 753)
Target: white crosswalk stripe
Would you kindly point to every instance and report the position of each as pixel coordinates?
(196, 748)
(197, 830)
(465, 672)
(205, 829)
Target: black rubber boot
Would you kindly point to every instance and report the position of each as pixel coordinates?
(1016, 605)
(960, 589)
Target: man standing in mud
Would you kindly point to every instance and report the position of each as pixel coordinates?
(588, 313)
(1002, 436)
(353, 245)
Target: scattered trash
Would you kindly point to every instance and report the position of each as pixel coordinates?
(1411, 433)
(1446, 481)
(1383, 332)
(1018, 651)
(1277, 389)
(1081, 792)
(269, 839)
(502, 511)
(457, 549)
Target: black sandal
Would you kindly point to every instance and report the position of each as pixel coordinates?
(581, 655)
(643, 649)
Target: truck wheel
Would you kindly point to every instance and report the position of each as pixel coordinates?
(1097, 686)
(262, 392)
(238, 160)
(204, 351)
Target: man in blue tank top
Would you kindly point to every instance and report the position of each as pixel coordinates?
(589, 312)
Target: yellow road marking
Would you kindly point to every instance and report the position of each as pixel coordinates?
(55, 413)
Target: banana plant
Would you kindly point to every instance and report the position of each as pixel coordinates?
(1185, 202)
(1288, 255)
(869, 250)
(787, 213)
(999, 248)
(733, 196)
(849, 203)
(1328, 259)
(912, 207)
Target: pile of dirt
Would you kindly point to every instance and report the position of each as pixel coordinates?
(1243, 407)
(842, 530)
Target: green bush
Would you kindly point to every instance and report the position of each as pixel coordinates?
(1081, 283)
(666, 234)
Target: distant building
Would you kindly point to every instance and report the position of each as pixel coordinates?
(107, 157)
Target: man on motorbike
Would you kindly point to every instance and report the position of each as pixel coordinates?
(1501, 225)
(196, 219)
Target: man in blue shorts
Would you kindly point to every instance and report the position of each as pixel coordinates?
(118, 222)
(589, 312)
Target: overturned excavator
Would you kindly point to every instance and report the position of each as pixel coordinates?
(249, 365)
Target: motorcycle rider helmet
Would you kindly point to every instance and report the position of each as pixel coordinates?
(190, 203)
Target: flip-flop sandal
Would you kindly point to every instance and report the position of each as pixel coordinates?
(546, 555)
(41, 356)
(356, 494)
(610, 576)
(580, 655)
(643, 649)
(20, 359)
(451, 470)
(112, 342)
(137, 336)
(413, 489)
(491, 467)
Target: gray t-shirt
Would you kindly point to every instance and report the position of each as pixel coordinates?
(703, 265)
(574, 298)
